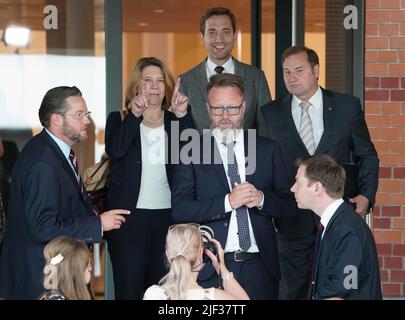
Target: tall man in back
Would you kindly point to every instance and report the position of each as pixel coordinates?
(311, 120)
(236, 184)
(218, 34)
(47, 196)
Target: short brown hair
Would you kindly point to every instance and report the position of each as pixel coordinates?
(217, 11)
(323, 169)
(313, 58)
(226, 80)
(136, 76)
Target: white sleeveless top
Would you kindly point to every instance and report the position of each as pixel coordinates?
(157, 293)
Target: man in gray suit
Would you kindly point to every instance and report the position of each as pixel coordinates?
(217, 28)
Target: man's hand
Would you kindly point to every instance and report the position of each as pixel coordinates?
(243, 194)
(113, 219)
(179, 101)
(362, 204)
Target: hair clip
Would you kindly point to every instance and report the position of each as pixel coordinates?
(56, 259)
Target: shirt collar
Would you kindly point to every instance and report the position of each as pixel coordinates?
(236, 135)
(315, 100)
(61, 144)
(330, 211)
(228, 66)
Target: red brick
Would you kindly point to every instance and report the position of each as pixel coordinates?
(403, 4)
(390, 159)
(397, 69)
(389, 82)
(378, 120)
(376, 69)
(397, 147)
(393, 263)
(388, 29)
(398, 121)
(391, 108)
(403, 79)
(402, 29)
(399, 223)
(375, 135)
(399, 173)
(379, 236)
(398, 249)
(393, 236)
(397, 95)
(384, 275)
(371, 29)
(381, 223)
(390, 185)
(391, 289)
(385, 172)
(401, 58)
(384, 249)
(372, 82)
(371, 56)
(389, 133)
(373, 4)
(378, 42)
(383, 199)
(391, 4)
(391, 211)
(396, 42)
(388, 56)
(378, 16)
(398, 276)
(381, 146)
(396, 16)
(372, 107)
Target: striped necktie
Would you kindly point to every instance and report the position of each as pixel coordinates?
(241, 212)
(73, 160)
(306, 129)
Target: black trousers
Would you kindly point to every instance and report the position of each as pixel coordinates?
(137, 252)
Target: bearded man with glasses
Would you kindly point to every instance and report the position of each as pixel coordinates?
(47, 196)
(237, 199)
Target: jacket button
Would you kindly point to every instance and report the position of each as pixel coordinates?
(225, 224)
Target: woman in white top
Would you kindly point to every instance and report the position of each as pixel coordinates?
(184, 252)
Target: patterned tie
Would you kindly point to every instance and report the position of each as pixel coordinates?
(219, 69)
(319, 231)
(241, 212)
(306, 130)
(73, 160)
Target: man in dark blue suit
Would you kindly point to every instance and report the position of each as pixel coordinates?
(311, 120)
(237, 199)
(47, 198)
(346, 262)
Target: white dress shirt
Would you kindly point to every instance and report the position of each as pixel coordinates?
(329, 212)
(228, 66)
(232, 242)
(315, 112)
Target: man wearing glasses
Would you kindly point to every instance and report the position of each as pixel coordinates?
(237, 199)
(47, 196)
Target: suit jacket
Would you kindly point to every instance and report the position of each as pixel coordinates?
(123, 144)
(347, 257)
(8, 159)
(345, 135)
(257, 93)
(200, 188)
(45, 202)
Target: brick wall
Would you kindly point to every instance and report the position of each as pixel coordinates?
(385, 114)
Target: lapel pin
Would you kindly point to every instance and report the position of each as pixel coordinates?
(330, 108)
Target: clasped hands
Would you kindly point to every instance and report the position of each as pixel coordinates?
(245, 194)
(179, 101)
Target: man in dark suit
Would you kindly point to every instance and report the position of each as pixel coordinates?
(8, 155)
(237, 199)
(47, 197)
(311, 120)
(217, 31)
(346, 263)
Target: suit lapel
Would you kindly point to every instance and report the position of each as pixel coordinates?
(328, 117)
(64, 163)
(251, 177)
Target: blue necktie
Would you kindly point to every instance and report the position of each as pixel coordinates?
(241, 212)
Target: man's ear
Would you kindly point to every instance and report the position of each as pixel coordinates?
(208, 108)
(316, 71)
(201, 37)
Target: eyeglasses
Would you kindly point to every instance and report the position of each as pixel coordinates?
(219, 110)
(78, 115)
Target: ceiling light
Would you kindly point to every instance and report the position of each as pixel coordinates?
(158, 11)
(16, 36)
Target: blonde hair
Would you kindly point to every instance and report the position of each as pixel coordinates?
(135, 78)
(183, 242)
(67, 273)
